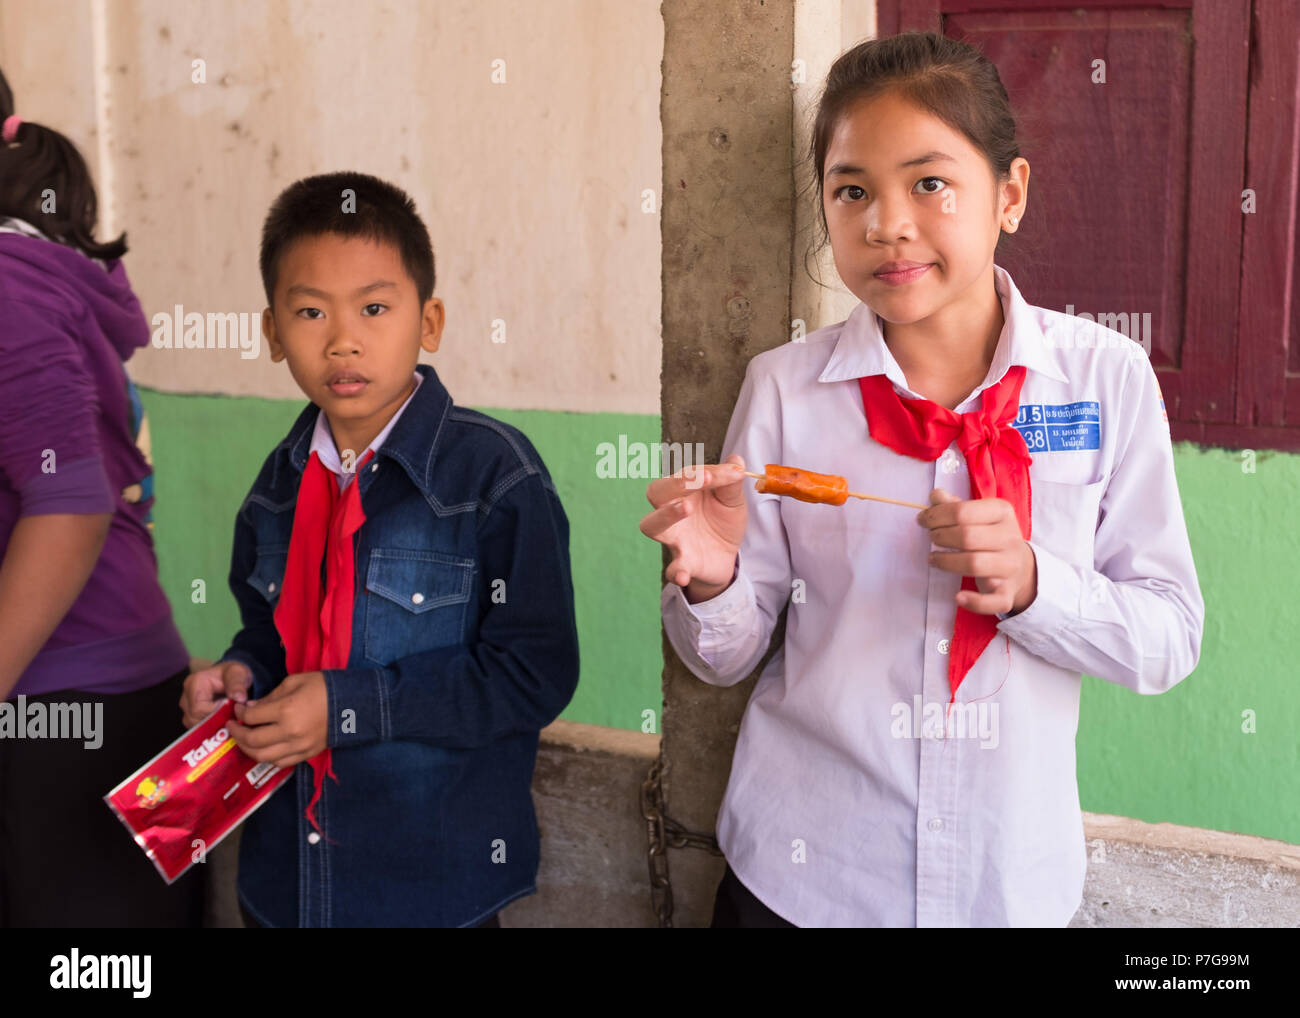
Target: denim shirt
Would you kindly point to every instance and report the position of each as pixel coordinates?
(464, 645)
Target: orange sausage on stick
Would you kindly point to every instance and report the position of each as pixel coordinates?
(802, 484)
(806, 486)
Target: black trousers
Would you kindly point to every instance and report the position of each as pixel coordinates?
(66, 861)
(735, 907)
(491, 922)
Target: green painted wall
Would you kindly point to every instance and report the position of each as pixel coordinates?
(1181, 757)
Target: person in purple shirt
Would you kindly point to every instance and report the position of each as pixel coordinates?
(91, 664)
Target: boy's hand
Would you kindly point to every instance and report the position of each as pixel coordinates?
(204, 688)
(288, 725)
(988, 547)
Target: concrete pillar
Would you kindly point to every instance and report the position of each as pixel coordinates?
(727, 219)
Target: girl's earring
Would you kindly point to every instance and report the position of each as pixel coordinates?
(1012, 220)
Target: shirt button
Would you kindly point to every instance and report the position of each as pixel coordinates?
(270, 587)
(944, 646)
(949, 464)
(935, 824)
(417, 598)
(374, 467)
(313, 837)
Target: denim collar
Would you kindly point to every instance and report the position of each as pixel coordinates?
(412, 443)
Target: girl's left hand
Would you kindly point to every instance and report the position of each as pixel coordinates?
(985, 537)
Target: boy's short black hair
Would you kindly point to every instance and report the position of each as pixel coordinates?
(373, 209)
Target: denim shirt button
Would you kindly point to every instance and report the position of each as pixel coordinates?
(417, 598)
(312, 838)
(374, 467)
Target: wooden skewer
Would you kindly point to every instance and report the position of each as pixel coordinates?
(857, 494)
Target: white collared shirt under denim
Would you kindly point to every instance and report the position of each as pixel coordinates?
(322, 442)
(848, 803)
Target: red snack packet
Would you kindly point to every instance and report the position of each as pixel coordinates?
(181, 803)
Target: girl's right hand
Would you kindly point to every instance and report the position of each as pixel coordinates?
(699, 515)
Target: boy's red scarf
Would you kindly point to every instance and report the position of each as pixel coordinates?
(996, 456)
(316, 626)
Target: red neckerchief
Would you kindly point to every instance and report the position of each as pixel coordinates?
(316, 626)
(996, 456)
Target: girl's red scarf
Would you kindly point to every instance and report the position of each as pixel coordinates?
(996, 456)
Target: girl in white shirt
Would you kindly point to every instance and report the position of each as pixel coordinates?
(907, 756)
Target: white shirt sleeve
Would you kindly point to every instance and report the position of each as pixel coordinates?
(722, 639)
(1136, 618)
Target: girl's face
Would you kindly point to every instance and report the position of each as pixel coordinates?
(900, 185)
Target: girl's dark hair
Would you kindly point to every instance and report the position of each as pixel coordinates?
(949, 78)
(44, 160)
(374, 209)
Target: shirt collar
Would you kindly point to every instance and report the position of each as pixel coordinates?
(322, 440)
(412, 443)
(860, 350)
(12, 224)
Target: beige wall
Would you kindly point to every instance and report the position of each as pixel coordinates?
(532, 189)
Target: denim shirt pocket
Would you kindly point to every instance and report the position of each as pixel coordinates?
(415, 601)
(268, 572)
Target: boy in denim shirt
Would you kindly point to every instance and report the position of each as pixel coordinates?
(402, 571)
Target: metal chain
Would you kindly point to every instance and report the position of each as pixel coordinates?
(663, 833)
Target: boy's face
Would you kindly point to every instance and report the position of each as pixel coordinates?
(347, 318)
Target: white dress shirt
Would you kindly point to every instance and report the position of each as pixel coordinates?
(850, 801)
(322, 441)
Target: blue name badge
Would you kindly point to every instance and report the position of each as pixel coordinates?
(1060, 427)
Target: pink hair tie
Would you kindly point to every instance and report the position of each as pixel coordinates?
(10, 130)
